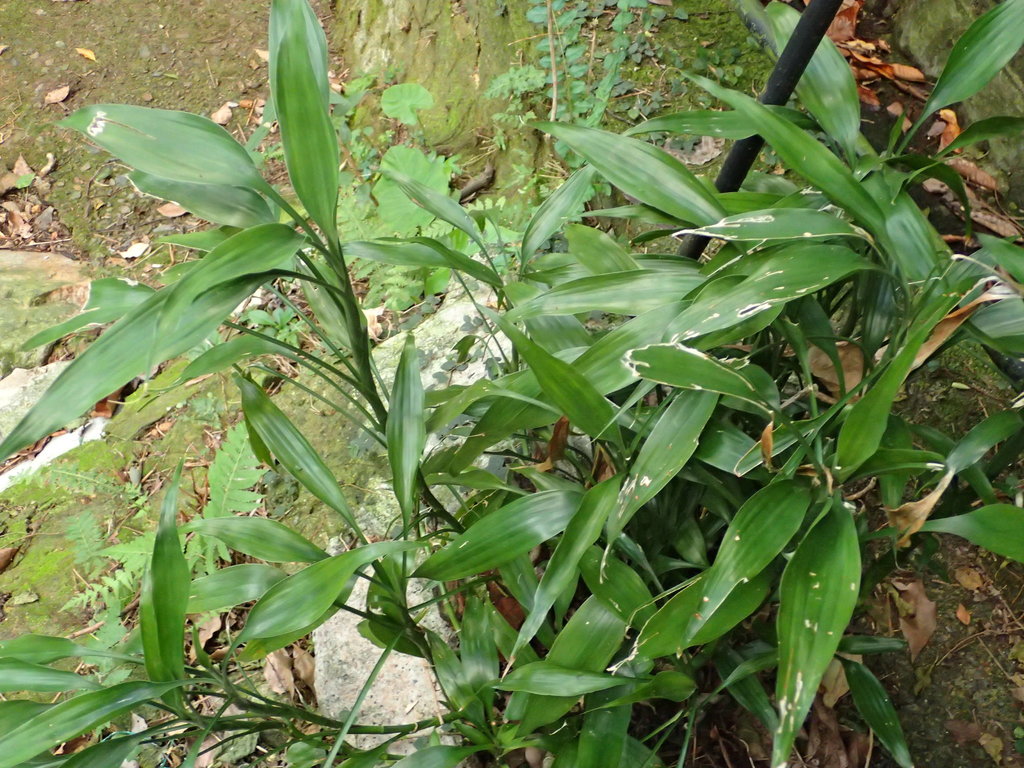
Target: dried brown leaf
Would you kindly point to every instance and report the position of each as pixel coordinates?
(851, 358)
(222, 115)
(917, 615)
(3, 48)
(21, 168)
(993, 747)
(277, 671)
(963, 615)
(969, 578)
(868, 97)
(767, 443)
(7, 555)
(57, 95)
(304, 666)
(963, 732)
(973, 174)
(844, 25)
(952, 127)
(85, 53)
(171, 210)
(909, 517)
(1001, 225)
(833, 684)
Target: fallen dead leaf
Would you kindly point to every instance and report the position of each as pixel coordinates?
(911, 516)
(963, 732)
(969, 578)
(963, 615)
(868, 97)
(3, 48)
(833, 684)
(21, 168)
(993, 747)
(134, 250)
(373, 325)
(7, 555)
(1001, 225)
(703, 152)
(951, 130)
(277, 671)
(917, 614)
(973, 173)
(304, 667)
(844, 25)
(171, 210)
(767, 443)
(57, 95)
(556, 446)
(851, 358)
(86, 53)
(264, 55)
(222, 115)
(948, 325)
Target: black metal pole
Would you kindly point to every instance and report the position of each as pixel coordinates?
(793, 60)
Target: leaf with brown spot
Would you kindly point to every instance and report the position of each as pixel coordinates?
(909, 517)
(277, 671)
(57, 95)
(968, 578)
(917, 615)
(963, 615)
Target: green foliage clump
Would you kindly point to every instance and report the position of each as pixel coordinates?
(675, 522)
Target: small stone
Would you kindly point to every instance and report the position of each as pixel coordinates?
(23, 598)
(147, 96)
(144, 52)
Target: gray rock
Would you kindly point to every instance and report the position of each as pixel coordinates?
(21, 389)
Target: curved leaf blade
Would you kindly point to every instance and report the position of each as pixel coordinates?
(998, 528)
(233, 206)
(18, 675)
(232, 586)
(406, 431)
(877, 710)
(260, 537)
(563, 204)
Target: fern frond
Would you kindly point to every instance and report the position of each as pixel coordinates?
(233, 473)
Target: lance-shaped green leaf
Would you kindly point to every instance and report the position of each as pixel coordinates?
(109, 298)
(985, 130)
(442, 206)
(567, 388)
(436, 756)
(791, 273)
(877, 710)
(747, 690)
(216, 203)
(586, 643)
(107, 753)
(643, 171)
(778, 224)
(801, 151)
(826, 87)
(998, 528)
(164, 597)
(301, 599)
(662, 634)
(128, 349)
(70, 718)
(232, 351)
(260, 537)
(406, 430)
(298, 82)
(983, 436)
(618, 587)
(232, 586)
(603, 732)
(979, 55)
(621, 293)
(562, 570)
(16, 675)
(707, 122)
(758, 532)
(546, 679)
(688, 368)
(204, 153)
(563, 204)
(291, 448)
(502, 536)
(596, 251)
(865, 425)
(817, 597)
(44, 649)
(663, 454)
(420, 252)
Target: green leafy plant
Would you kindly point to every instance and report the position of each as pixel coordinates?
(686, 531)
